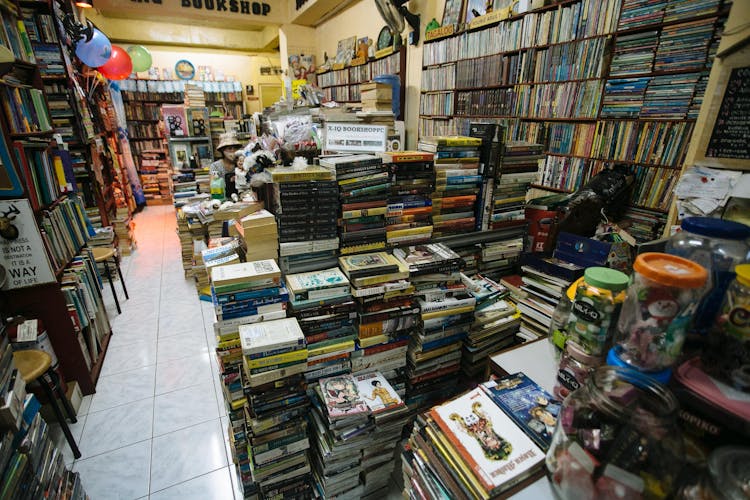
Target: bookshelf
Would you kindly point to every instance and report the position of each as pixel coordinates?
(597, 82)
(343, 85)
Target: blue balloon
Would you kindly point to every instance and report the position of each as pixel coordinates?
(96, 51)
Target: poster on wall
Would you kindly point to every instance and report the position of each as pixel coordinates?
(23, 258)
(302, 67)
(355, 138)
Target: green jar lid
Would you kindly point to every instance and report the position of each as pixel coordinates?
(604, 277)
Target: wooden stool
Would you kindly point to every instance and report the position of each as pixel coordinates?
(102, 254)
(33, 365)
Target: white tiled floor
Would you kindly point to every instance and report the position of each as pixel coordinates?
(156, 427)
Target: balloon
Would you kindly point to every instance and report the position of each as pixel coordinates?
(140, 56)
(96, 51)
(119, 65)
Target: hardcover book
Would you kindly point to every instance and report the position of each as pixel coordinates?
(531, 407)
(496, 450)
(342, 398)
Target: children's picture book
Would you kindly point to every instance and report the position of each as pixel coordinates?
(377, 393)
(488, 441)
(345, 50)
(530, 406)
(175, 120)
(342, 397)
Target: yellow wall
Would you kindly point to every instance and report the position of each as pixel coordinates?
(363, 19)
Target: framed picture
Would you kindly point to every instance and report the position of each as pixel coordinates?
(452, 12)
(345, 50)
(479, 6)
(181, 152)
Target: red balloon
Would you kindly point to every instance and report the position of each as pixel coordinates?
(119, 65)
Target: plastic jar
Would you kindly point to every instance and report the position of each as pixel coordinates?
(594, 312)
(727, 352)
(727, 476)
(616, 437)
(718, 245)
(575, 367)
(661, 299)
(561, 315)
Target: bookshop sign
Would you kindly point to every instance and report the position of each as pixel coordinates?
(22, 256)
(253, 11)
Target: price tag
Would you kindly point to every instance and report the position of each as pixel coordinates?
(27, 331)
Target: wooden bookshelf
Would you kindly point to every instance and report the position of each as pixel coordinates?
(524, 45)
(342, 85)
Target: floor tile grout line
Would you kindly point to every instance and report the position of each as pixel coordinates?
(83, 459)
(196, 477)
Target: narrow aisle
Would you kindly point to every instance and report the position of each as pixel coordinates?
(156, 426)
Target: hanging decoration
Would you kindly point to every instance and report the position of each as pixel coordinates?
(119, 65)
(95, 50)
(141, 58)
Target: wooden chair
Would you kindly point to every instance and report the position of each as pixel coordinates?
(103, 254)
(35, 366)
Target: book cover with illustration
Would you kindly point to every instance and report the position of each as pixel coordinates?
(498, 452)
(523, 400)
(175, 120)
(368, 264)
(342, 397)
(316, 280)
(429, 258)
(377, 393)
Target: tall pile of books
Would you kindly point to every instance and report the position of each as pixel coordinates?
(245, 295)
(363, 190)
(306, 204)
(446, 313)
(186, 241)
(322, 303)
(457, 182)
(543, 292)
(387, 313)
(123, 226)
(259, 234)
(469, 448)
(412, 175)
(356, 424)
(496, 322)
(519, 168)
(376, 96)
(274, 357)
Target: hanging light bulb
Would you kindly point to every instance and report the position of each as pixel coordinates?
(84, 4)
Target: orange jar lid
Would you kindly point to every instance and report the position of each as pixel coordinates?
(670, 270)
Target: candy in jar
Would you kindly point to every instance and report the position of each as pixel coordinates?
(727, 352)
(575, 367)
(617, 433)
(595, 309)
(661, 299)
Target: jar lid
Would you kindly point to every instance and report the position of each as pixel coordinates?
(613, 359)
(604, 277)
(717, 228)
(571, 292)
(670, 270)
(577, 352)
(729, 467)
(743, 273)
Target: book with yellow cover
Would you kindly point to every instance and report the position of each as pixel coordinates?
(309, 173)
(277, 359)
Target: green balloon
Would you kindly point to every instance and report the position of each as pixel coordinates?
(140, 56)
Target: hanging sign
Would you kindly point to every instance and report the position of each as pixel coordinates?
(23, 259)
(356, 138)
(259, 12)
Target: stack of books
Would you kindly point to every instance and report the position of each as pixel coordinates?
(518, 169)
(457, 182)
(322, 303)
(388, 312)
(356, 423)
(408, 219)
(543, 291)
(469, 448)
(123, 226)
(306, 205)
(259, 234)
(186, 241)
(363, 189)
(446, 312)
(214, 255)
(274, 356)
(496, 322)
(376, 96)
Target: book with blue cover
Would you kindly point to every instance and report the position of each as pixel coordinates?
(532, 408)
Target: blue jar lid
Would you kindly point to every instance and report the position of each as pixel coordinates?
(717, 228)
(662, 376)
